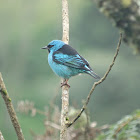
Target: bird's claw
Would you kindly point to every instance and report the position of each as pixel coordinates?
(65, 84)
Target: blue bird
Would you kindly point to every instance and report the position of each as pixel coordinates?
(65, 61)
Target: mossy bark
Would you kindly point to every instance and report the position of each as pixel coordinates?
(10, 109)
(126, 16)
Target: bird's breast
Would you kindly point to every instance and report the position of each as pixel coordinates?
(62, 70)
(50, 59)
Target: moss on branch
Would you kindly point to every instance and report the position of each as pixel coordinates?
(126, 16)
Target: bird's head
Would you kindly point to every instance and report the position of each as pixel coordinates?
(54, 45)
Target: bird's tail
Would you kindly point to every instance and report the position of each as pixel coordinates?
(93, 74)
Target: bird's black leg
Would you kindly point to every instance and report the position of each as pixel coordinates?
(65, 83)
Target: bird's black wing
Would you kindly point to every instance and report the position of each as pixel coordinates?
(68, 50)
(70, 57)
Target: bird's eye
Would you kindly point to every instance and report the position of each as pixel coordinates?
(50, 46)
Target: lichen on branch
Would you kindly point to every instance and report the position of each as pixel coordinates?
(10, 109)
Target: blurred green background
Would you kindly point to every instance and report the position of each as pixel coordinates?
(26, 26)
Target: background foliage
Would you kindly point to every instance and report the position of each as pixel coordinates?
(26, 26)
(128, 128)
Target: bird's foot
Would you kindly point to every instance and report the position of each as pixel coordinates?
(65, 83)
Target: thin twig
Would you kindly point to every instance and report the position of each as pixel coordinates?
(10, 109)
(65, 89)
(54, 125)
(97, 83)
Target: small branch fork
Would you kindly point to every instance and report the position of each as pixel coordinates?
(10, 109)
(97, 83)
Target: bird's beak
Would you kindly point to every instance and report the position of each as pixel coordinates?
(46, 47)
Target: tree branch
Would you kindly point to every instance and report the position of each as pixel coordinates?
(65, 21)
(125, 15)
(97, 83)
(65, 88)
(10, 109)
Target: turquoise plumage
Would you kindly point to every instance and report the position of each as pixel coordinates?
(66, 61)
